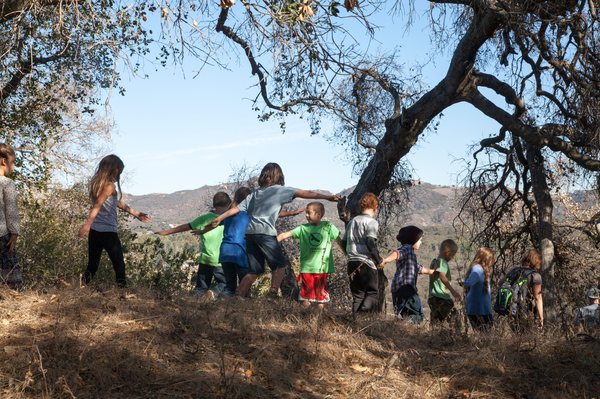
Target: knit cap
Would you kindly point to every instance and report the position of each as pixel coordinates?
(593, 293)
(409, 235)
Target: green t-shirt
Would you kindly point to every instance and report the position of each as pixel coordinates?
(211, 241)
(316, 246)
(436, 286)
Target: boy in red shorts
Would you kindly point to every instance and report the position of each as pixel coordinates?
(316, 259)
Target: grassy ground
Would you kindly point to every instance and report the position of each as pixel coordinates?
(89, 343)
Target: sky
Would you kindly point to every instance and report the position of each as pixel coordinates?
(178, 132)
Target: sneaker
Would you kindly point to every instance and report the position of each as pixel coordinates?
(273, 294)
(209, 296)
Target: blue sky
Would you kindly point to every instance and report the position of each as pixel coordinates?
(175, 132)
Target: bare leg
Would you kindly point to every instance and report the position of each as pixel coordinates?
(246, 283)
(305, 304)
(277, 278)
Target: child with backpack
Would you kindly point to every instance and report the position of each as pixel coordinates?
(441, 291)
(520, 293)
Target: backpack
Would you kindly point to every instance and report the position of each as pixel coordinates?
(513, 292)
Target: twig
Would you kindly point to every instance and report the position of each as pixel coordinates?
(43, 371)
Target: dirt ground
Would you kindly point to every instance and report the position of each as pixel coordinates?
(91, 343)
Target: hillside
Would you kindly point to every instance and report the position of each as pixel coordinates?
(430, 205)
(92, 343)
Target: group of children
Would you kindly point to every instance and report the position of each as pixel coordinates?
(239, 237)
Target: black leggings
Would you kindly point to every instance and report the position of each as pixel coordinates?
(97, 241)
(364, 287)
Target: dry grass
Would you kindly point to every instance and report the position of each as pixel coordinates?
(82, 343)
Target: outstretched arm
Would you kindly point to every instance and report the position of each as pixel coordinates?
(285, 214)
(141, 216)
(106, 192)
(178, 229)
(284, 236)
(390, 258)
(308, 194)
(234, 210)
(446, 282)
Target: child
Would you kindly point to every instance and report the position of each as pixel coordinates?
(9, 220)
(208, 265)
(405, 296)
(440, 291)
(316, 259)
(232, 254)
(263, 207)
(101, 223)
(363, 255)
(478, 301)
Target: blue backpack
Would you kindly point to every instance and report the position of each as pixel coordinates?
(513, 292)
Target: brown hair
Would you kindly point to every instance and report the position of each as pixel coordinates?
(108, 171)
(318, 207)
(241, 194)
(221, 199)
(270, 175)
(6, 150)
(486, 258)
(532, 259)
(368, 201)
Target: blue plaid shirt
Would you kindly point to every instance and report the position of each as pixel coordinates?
(407, 268)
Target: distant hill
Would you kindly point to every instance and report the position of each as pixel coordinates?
(430, 205)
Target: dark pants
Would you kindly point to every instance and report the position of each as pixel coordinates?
(408, 304)
(205, 276)
(233, 274)
(481, 322)
(109, 241)
(364, 284)
(440, 308)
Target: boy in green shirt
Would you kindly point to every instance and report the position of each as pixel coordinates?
(208, 263)
(316, 260)
(440, 291)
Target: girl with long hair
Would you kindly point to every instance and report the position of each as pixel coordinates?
(101, 223)
(478, 301)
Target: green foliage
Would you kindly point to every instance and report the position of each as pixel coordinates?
(48, 248)
(151, 264)
(51, 253)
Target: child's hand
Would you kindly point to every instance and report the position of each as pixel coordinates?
(457, 297)
(143, 217)
(12, 243)
(336, 198)
(214, 223)
(160, 233)
(84, 230)
(198, 232)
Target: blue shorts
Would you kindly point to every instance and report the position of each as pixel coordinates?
(261, 248)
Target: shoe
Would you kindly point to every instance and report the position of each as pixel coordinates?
(209, 296)
(273, 294)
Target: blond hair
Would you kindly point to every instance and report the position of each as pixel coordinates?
(108, 171)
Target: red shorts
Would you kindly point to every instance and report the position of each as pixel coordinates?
(313, 288)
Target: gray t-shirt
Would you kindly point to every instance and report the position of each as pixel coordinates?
(9, 216)
(357, 231)
(106, 219)
(263, 207)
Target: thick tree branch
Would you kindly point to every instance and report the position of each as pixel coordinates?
(537, 136)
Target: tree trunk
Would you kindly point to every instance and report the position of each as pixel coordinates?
(544, 231)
